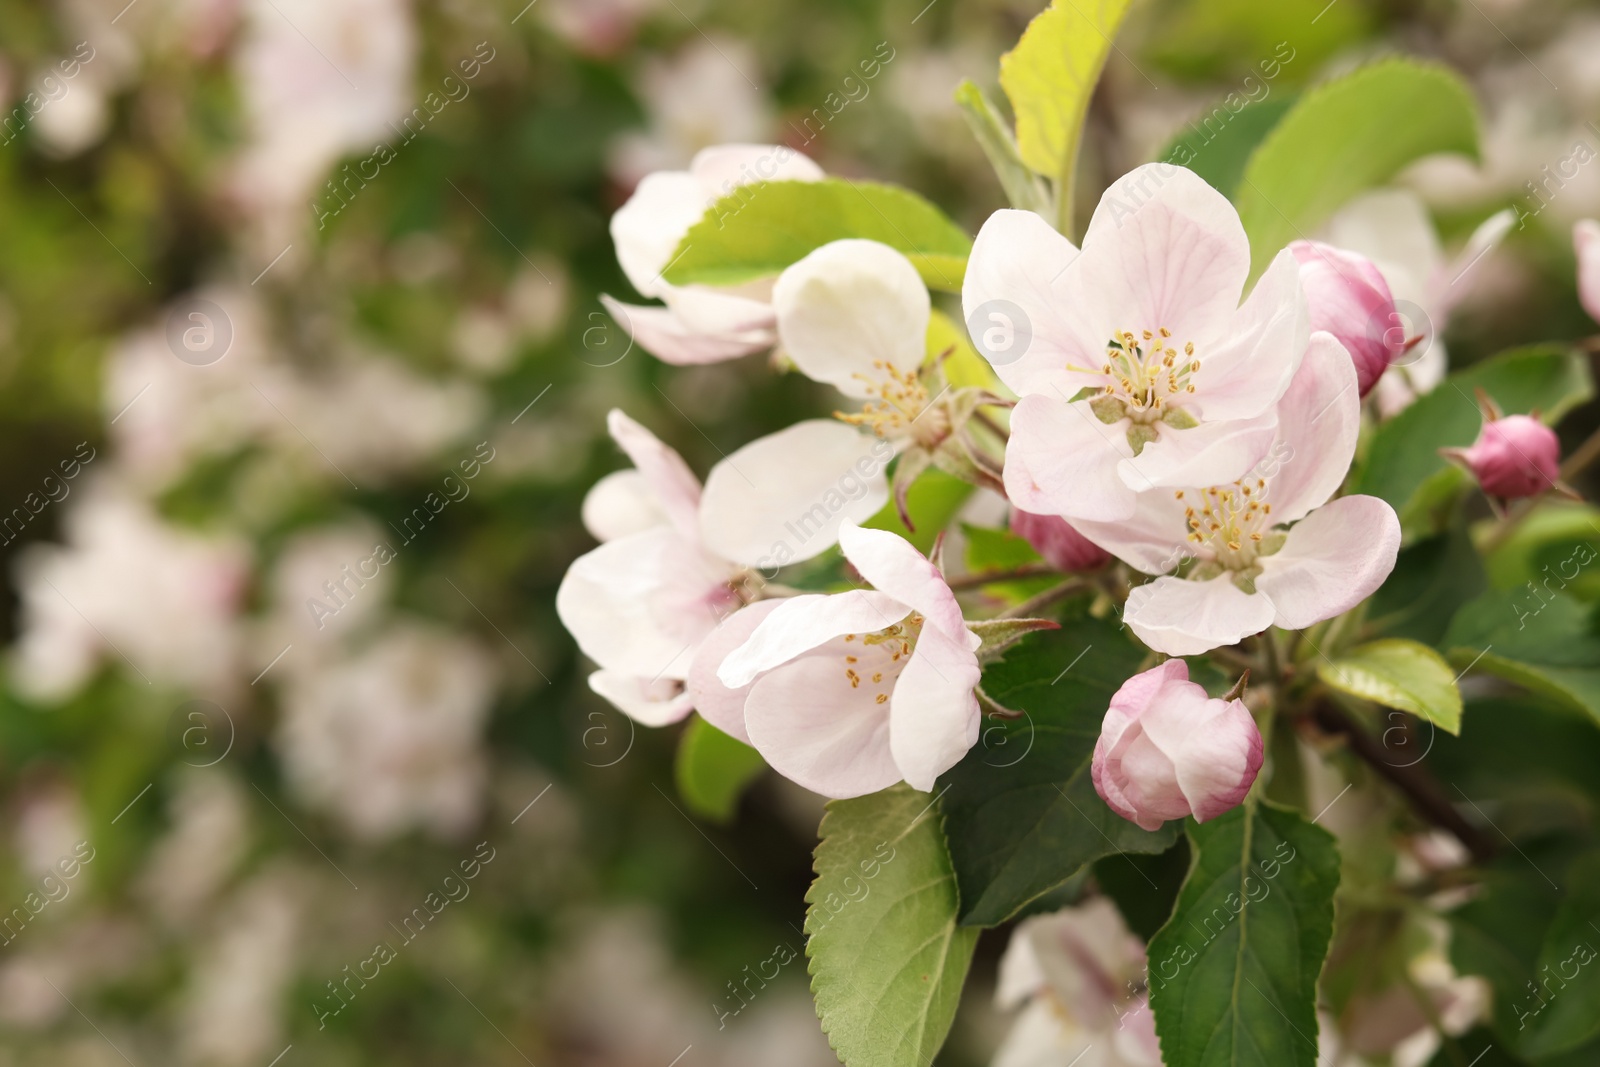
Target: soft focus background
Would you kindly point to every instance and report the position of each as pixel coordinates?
(285, 281)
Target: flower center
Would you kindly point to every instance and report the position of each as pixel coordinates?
(1233, 525)
(901, 397)
(873, 661)
(1145, 377)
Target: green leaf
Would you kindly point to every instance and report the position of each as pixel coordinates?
(934, 499)
(1347, 136)
(1144, 888)
(887, 958)
(1023, 189)
(963, 367)
(1050, 76)
(1218, 144)
(713, 769)
(1233, 973)
(758, 230)
(1021, 812)
(1400, 674)
(1546, 642)
(1556, 543)
(1565, 1014)
(1404, 452)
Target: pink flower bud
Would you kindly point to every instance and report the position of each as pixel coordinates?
(1053, 537)
(1513, 457)
(1166, 750)
(1349, 299)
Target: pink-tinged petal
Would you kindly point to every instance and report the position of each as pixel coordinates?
(1453, 284)
(799, 624)
(660, 702)
(933, 716)
(717, 704)
(1392, 228)
(1586, 241)
(620, 504)
(1186, 618)
(722, 168)
(1319, 420)
(1164, 249)
(1514, 457)
(1212, 453)
(1147, 778)
(816, 728)
(1061, 546)
(641, 605)
(669, 478)
(1042, 1036)
(1214, 746)
(1135, 696)
(1019, 263)
(848, 309)
(1350, 299)
(648, 228)
(1333, 559)
(783, 497)
(1134, 1041)
(733, 313)
(661, 333)
(890, 564)
(1244, 372)
(1154, 539)
(1062, 460)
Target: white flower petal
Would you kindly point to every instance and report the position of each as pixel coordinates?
(1164, 249)
(1334, 558)
(1019, 261)
(1586, 242)
(649, 703)
(660, 332)
(717, 704)
(1185, 618)
(1062, 460)
(892, 566)
(1212, 453)
(782, 498)
(1243, 373)
(722, 168)
(933, 713)
(620, 504)
(814, 727)
(849, 307)
(648, 228)
(671, 482)
(1319, 419)
(799, 624)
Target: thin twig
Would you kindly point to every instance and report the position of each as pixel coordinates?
(1033, 605)
(973, 581)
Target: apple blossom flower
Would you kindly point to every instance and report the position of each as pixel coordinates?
(1350, 299)
(699, 323)
(1391, 227)
(1586, 242)
(1267, 549)
(1053, 538)
(1515, 456)
(1078, 973)
(1167, 750)
(675, 559)
(849, 693)
(1139, 368)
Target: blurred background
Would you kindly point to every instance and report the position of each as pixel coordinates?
(303, 376)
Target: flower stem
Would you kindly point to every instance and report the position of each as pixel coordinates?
(1033, 605)
(973, 581)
